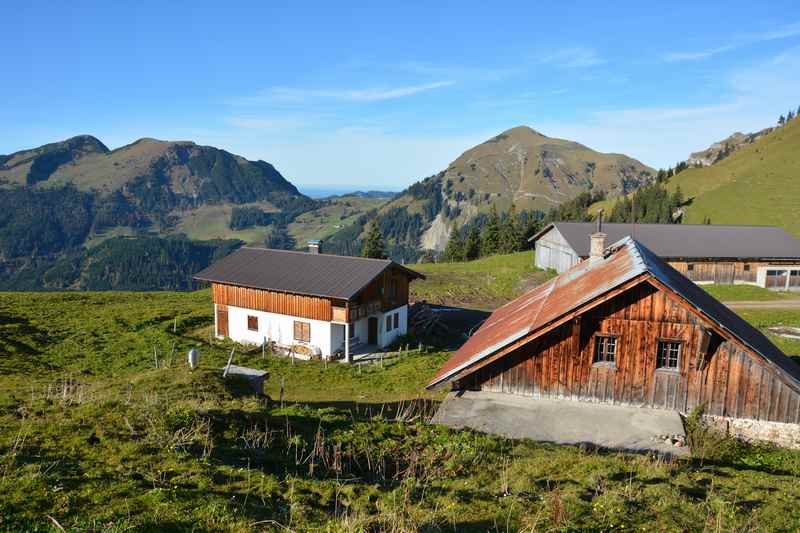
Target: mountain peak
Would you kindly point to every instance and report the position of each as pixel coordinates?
(523, 130)
(87, 143)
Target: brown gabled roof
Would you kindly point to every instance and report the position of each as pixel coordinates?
(325, 275)
(687, 240)
(531, 313)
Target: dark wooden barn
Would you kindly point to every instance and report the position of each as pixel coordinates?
(626, 328)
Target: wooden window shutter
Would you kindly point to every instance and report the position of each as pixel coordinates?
(302, 331)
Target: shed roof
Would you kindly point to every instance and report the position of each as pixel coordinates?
(688, 240)
(586, 281)
(325, 275)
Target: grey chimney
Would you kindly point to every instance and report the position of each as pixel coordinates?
(315, 247)
(597, 240)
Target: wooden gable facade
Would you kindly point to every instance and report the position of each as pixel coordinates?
(713, 370)
(386, 292)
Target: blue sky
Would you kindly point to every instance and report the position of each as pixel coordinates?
(379, 94)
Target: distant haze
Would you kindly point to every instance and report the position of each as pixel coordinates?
(322, 191)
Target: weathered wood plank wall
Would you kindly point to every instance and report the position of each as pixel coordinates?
(311, 307)
(733, 382)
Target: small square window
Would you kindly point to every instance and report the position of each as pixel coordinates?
(690, 267)
(747, 268)
(605, 349)
(669, 355)
(302, 331)
(252, 323)
(396, 320)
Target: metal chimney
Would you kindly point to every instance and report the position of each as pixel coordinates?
(597, 241)
(315, 247)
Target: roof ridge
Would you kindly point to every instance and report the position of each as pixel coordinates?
(260, 249)
(592, 223)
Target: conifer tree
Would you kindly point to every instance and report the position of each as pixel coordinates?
(374, 246)
(490, 237)
(510, 235)
(781, 120)
(472, 244)
(454, 251)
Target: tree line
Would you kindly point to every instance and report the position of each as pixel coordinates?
(790, 115)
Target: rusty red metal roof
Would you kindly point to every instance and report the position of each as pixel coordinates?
(622, 262)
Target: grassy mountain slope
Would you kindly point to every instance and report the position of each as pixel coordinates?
(758, 184)
(94, 437)
(724, 148)
(755, 184)
(520, 166)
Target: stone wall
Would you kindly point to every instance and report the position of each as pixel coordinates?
(781, 434)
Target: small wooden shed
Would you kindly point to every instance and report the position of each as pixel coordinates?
(626, 328)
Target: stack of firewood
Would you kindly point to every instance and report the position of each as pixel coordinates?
(424, 321)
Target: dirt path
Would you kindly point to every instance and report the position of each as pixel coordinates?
(772, 304)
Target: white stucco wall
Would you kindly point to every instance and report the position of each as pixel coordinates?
(327, 336)
(385, 338)
(277, 328)
(761, 275)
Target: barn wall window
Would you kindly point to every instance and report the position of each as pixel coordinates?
(605, 350)
(747, 268)
(690, 267)
(302, 331)
(388, 322)
(252, 323)
(669, 355)
(396, 320)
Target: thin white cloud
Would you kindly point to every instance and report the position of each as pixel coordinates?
(573, 57)
(289, 95)
(266, 124)
(674, 57)
(662, 136)
(784, 32)
(457, 72)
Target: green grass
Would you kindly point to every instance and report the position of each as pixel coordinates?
(482, 284)
(765, 318)
(747, 293)
(213, 222)
(327, 220)
(92, 435)
(756, 185)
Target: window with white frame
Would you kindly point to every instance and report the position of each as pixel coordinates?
(605, 350)
(669, 355)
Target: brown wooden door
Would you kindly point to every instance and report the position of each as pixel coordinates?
(372, 330)
(222, 320)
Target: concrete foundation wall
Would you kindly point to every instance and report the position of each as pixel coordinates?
(781, 434)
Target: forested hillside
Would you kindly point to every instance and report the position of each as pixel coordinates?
(62, 204)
